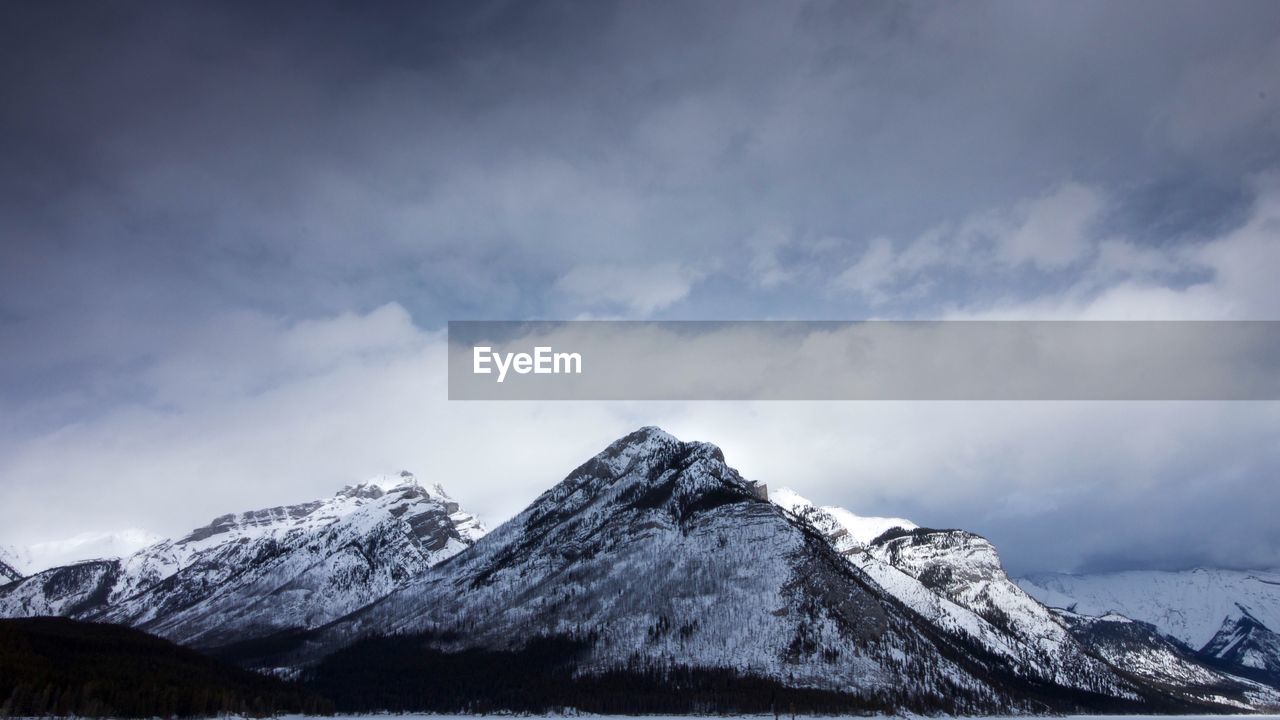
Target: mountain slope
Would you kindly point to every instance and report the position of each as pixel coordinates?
(262, 572)
(1245, 646)
(656, 555)
(1230, 616)
(954, 579)
(1143, 651)
(8, 568)
(1188, 605)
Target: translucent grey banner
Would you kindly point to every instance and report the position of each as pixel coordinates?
(871, 360)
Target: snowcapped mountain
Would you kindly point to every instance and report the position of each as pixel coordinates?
(1143, 651)
(657, 555)
(1188, 605)
(954, 579)
(31, 559)
(1230, 617)
(1246, 646)
(257, 573)
(656, 568)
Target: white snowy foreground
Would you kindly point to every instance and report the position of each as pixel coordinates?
(789, 716)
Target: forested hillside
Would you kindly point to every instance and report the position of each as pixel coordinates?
(61, 667)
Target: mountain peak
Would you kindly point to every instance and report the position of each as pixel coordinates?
(646, 440)
(650, 447)
(1247, 645)
(379, 485)
(642, 471)
(657, 453)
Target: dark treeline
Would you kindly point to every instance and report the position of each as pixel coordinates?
(60, 667)
(406, 674)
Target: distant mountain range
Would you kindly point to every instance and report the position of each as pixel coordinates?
(656, 578)
(1228, 618)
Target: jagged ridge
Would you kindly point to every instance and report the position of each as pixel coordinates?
(262, 572)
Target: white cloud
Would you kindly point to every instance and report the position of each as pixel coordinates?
(1234, 277)
(1049, 232)
(1054, 483)
(878, 268)
(1231, 276)
(642, 290)
(250, 410)
(767, 269)
(247, 352)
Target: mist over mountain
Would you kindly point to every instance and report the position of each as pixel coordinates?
(31, 559)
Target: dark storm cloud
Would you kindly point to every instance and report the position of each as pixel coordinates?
(167, 166)
(293, 156)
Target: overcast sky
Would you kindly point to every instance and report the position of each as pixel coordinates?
(231, 235)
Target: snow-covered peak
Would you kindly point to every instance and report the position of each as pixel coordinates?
(1248, 645)
(401, 495)
(646, 443)
(861, 529)
(263, 571)
(789, 500)
(383, 484)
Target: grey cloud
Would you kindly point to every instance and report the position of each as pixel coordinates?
(1056, 485)
(172, 166)
(269, 157)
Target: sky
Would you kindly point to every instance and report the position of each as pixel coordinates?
(231, 235)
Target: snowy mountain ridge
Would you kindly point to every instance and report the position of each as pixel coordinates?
(1144, 652)
(654, 558)
(656, 554)
(1245, 642)
(1188, 605)
(253, 573)
(954, 579)
(1229, 617)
